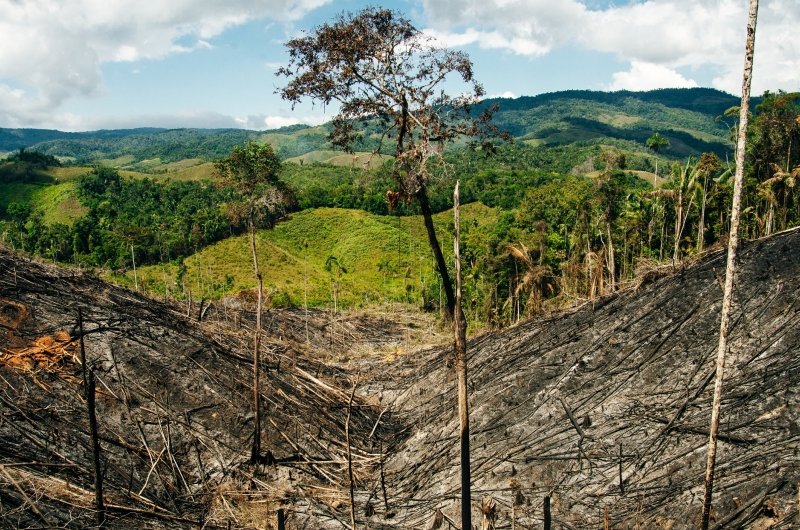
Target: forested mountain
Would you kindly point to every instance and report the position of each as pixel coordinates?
(689, 118)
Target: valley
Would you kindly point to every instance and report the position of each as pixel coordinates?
(601, 409)
(592, 269)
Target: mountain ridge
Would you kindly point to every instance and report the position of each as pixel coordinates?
(693, 111)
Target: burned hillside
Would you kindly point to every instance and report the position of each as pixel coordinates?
(174, 413)
(603, 409)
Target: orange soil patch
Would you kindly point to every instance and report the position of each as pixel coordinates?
(49, 353)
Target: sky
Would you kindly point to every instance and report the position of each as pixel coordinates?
(79, 65)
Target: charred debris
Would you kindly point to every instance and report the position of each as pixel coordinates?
(602, 410)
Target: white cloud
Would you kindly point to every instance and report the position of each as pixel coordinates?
(526, 27)
(648, 76)
(276, 122)
(506, 95)
(53, 49)
(703, 35)
(488, 39)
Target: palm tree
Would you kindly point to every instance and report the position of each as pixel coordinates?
(655, 143)
(709, 164)
(532, 277)
(684, 181)
(776, 191)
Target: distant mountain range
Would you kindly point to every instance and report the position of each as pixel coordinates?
(690, 118)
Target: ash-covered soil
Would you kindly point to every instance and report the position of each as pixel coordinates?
(174, 411)
(634, 372)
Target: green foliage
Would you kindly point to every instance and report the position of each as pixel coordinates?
(161, 221)
(27, 166)
(538, 233)
(657, 142)
(251, 171)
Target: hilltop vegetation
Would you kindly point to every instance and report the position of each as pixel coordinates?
(569, 216)
(690, 118)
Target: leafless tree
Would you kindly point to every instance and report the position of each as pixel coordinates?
(733, 244)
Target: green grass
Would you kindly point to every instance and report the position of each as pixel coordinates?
(337, 158)
(202, 171)
(68, 173)
(387, 259)
(57, 202)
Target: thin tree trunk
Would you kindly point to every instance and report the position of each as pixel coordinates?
(135, 278)
(770, 220)
(350, 457)
(255, 453)
(460, 328)
(701, 225)
(612, 266)
(89, 389)
(655, 175)
(733, 244)
(441, 265)
(676, 254)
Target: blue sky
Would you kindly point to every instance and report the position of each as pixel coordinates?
(89, 64)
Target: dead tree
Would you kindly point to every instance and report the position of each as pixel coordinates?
(460, 328)
(350, 479)
(733, 245)
(252, 171)
(89, 394)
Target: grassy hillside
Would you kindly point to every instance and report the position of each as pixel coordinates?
(382, 259)
(58, 202)
(363, 160)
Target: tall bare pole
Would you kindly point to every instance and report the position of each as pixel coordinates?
(350, 478)
(89, 393)
(135, 278)
(460, 328)
(730, 270)
(255, 453)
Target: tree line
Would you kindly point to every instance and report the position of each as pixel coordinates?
(559, 236)
(162, 220)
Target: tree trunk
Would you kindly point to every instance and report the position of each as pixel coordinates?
(89, 389)
(701, 225)
(460, 328)
(441, 265)
(730, 270)
(350, 478)
(255, 453)
(612, 266)
(676, 253)
(135, 278)
(655, 175)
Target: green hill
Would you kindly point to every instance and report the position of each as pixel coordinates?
(687, 117)
(378, 259)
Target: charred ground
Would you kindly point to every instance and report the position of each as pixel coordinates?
(604, 409)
